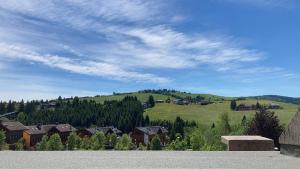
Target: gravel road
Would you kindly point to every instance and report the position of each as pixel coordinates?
(138, 159)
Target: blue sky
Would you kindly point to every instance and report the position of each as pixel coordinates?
(85, 48)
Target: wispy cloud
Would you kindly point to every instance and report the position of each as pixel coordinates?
(126, 40)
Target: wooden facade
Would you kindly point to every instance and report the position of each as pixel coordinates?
(13, 131)
(144, 135)
(290, 138)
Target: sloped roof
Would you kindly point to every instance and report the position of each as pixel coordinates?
(105, 130)
(152, 130)
(291, 135)
(34, 130)
(43, 129)
(13, 125)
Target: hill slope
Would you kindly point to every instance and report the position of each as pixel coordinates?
(208, 114)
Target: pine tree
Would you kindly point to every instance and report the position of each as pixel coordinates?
(151, 101)
(147, 120)
(98, 140)
(155, 143)
(72, 142)
(85, 143)
(20, 145)
(233, 105)
(11, 106)
(2, 140)
(54, 143)
(223, 125)
(266, 124)
(21, 117)
(43, 145)
(21, 106)
(2, 108)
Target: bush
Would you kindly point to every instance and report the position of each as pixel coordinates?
(54, 143)
(266, 124)
(155, 143)
(73, 141)
(43, 145)
(85, 143)
(124, 143)
(98, 141)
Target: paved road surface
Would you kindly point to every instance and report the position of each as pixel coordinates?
(138, 159)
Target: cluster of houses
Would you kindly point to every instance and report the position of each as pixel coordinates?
(249, 107)
(32, 135)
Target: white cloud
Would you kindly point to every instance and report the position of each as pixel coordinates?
(77, 66)
(130, 39)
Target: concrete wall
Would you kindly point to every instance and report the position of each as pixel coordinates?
(250, 145)
(291, 150)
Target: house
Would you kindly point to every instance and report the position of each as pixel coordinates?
(144, 135)
(13, 130)
(88, 132)
(290, 138)
(274, 106)
(159, 101)
(180, 102)
(245, 107)
(33, 134)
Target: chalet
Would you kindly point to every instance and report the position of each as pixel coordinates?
(88, 132)
(159, 101)
(245, 107)
(274, 106)
(180, 102)
(33, 134)
(13, 130)
(144, 135)
(290, 138)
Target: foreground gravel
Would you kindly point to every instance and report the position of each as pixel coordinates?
(138, 159)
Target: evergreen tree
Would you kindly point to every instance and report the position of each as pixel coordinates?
(155, 143)
(10, 106)
(43, 145)
(196, 142)
(21, 117)
(147, 120)
(213, 126)
(113, 140)
(98, 140)
(124, 143)
(20, 145)
(151, 101)
(2, 108)
(233, 105)
(73, 140)
(2, 140)
(179, 126)
(266, 124)
(223, 125)
(21, 106)
(258, 106)
(85, 143)
(54, 143)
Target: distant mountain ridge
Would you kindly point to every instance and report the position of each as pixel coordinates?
(277, 98)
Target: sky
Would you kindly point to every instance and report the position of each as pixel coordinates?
(97, 47)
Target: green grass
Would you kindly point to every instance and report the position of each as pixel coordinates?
(143, 97)
(206, 115)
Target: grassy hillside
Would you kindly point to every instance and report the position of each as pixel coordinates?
(143, 97)
(206, 115)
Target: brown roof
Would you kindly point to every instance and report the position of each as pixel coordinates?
(152, 130)
(43, 129)
(13, 125)
(34, 130)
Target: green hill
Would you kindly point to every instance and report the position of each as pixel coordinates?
(203, 114)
